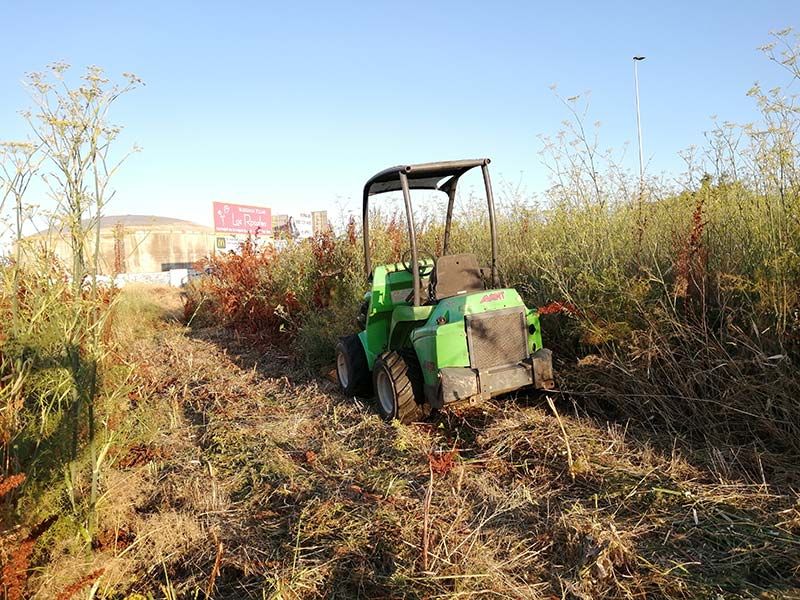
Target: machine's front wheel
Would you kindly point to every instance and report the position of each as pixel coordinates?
(397, 380)
(351, 367)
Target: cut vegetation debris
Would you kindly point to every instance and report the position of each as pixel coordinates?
(237, 480)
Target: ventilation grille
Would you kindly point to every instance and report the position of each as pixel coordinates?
(497, 338)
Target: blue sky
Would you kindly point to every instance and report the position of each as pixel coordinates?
(294, 105)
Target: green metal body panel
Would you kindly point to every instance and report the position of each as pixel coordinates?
(442, 340)
(436, 332)
(391, 286)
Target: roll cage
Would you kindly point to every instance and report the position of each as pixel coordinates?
(439, 176)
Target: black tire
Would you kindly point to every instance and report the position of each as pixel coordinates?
(397, 381)
(352, 371)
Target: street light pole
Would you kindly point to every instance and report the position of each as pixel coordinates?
(636, 60)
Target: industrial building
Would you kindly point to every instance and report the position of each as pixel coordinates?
(280, 222)
(319, 221)
(136, 244)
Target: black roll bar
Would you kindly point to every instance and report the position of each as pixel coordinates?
(487, 182)
(440, 176)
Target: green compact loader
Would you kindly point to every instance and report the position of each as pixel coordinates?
(438, 330)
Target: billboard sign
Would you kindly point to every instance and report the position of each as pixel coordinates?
(229, 244)
(297, 226)
(241, 218)
(303, 225)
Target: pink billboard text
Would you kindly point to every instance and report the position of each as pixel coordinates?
(239, 218)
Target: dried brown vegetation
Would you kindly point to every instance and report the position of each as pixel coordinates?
(248, 479)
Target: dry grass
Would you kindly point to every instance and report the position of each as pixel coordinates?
(311, 495)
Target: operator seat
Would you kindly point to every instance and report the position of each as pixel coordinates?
(454, 275)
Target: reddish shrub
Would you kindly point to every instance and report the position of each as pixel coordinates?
(267, 293)
(443, 462)
(10, 483)
(15, 571)
(396, 238)
(691, 264)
